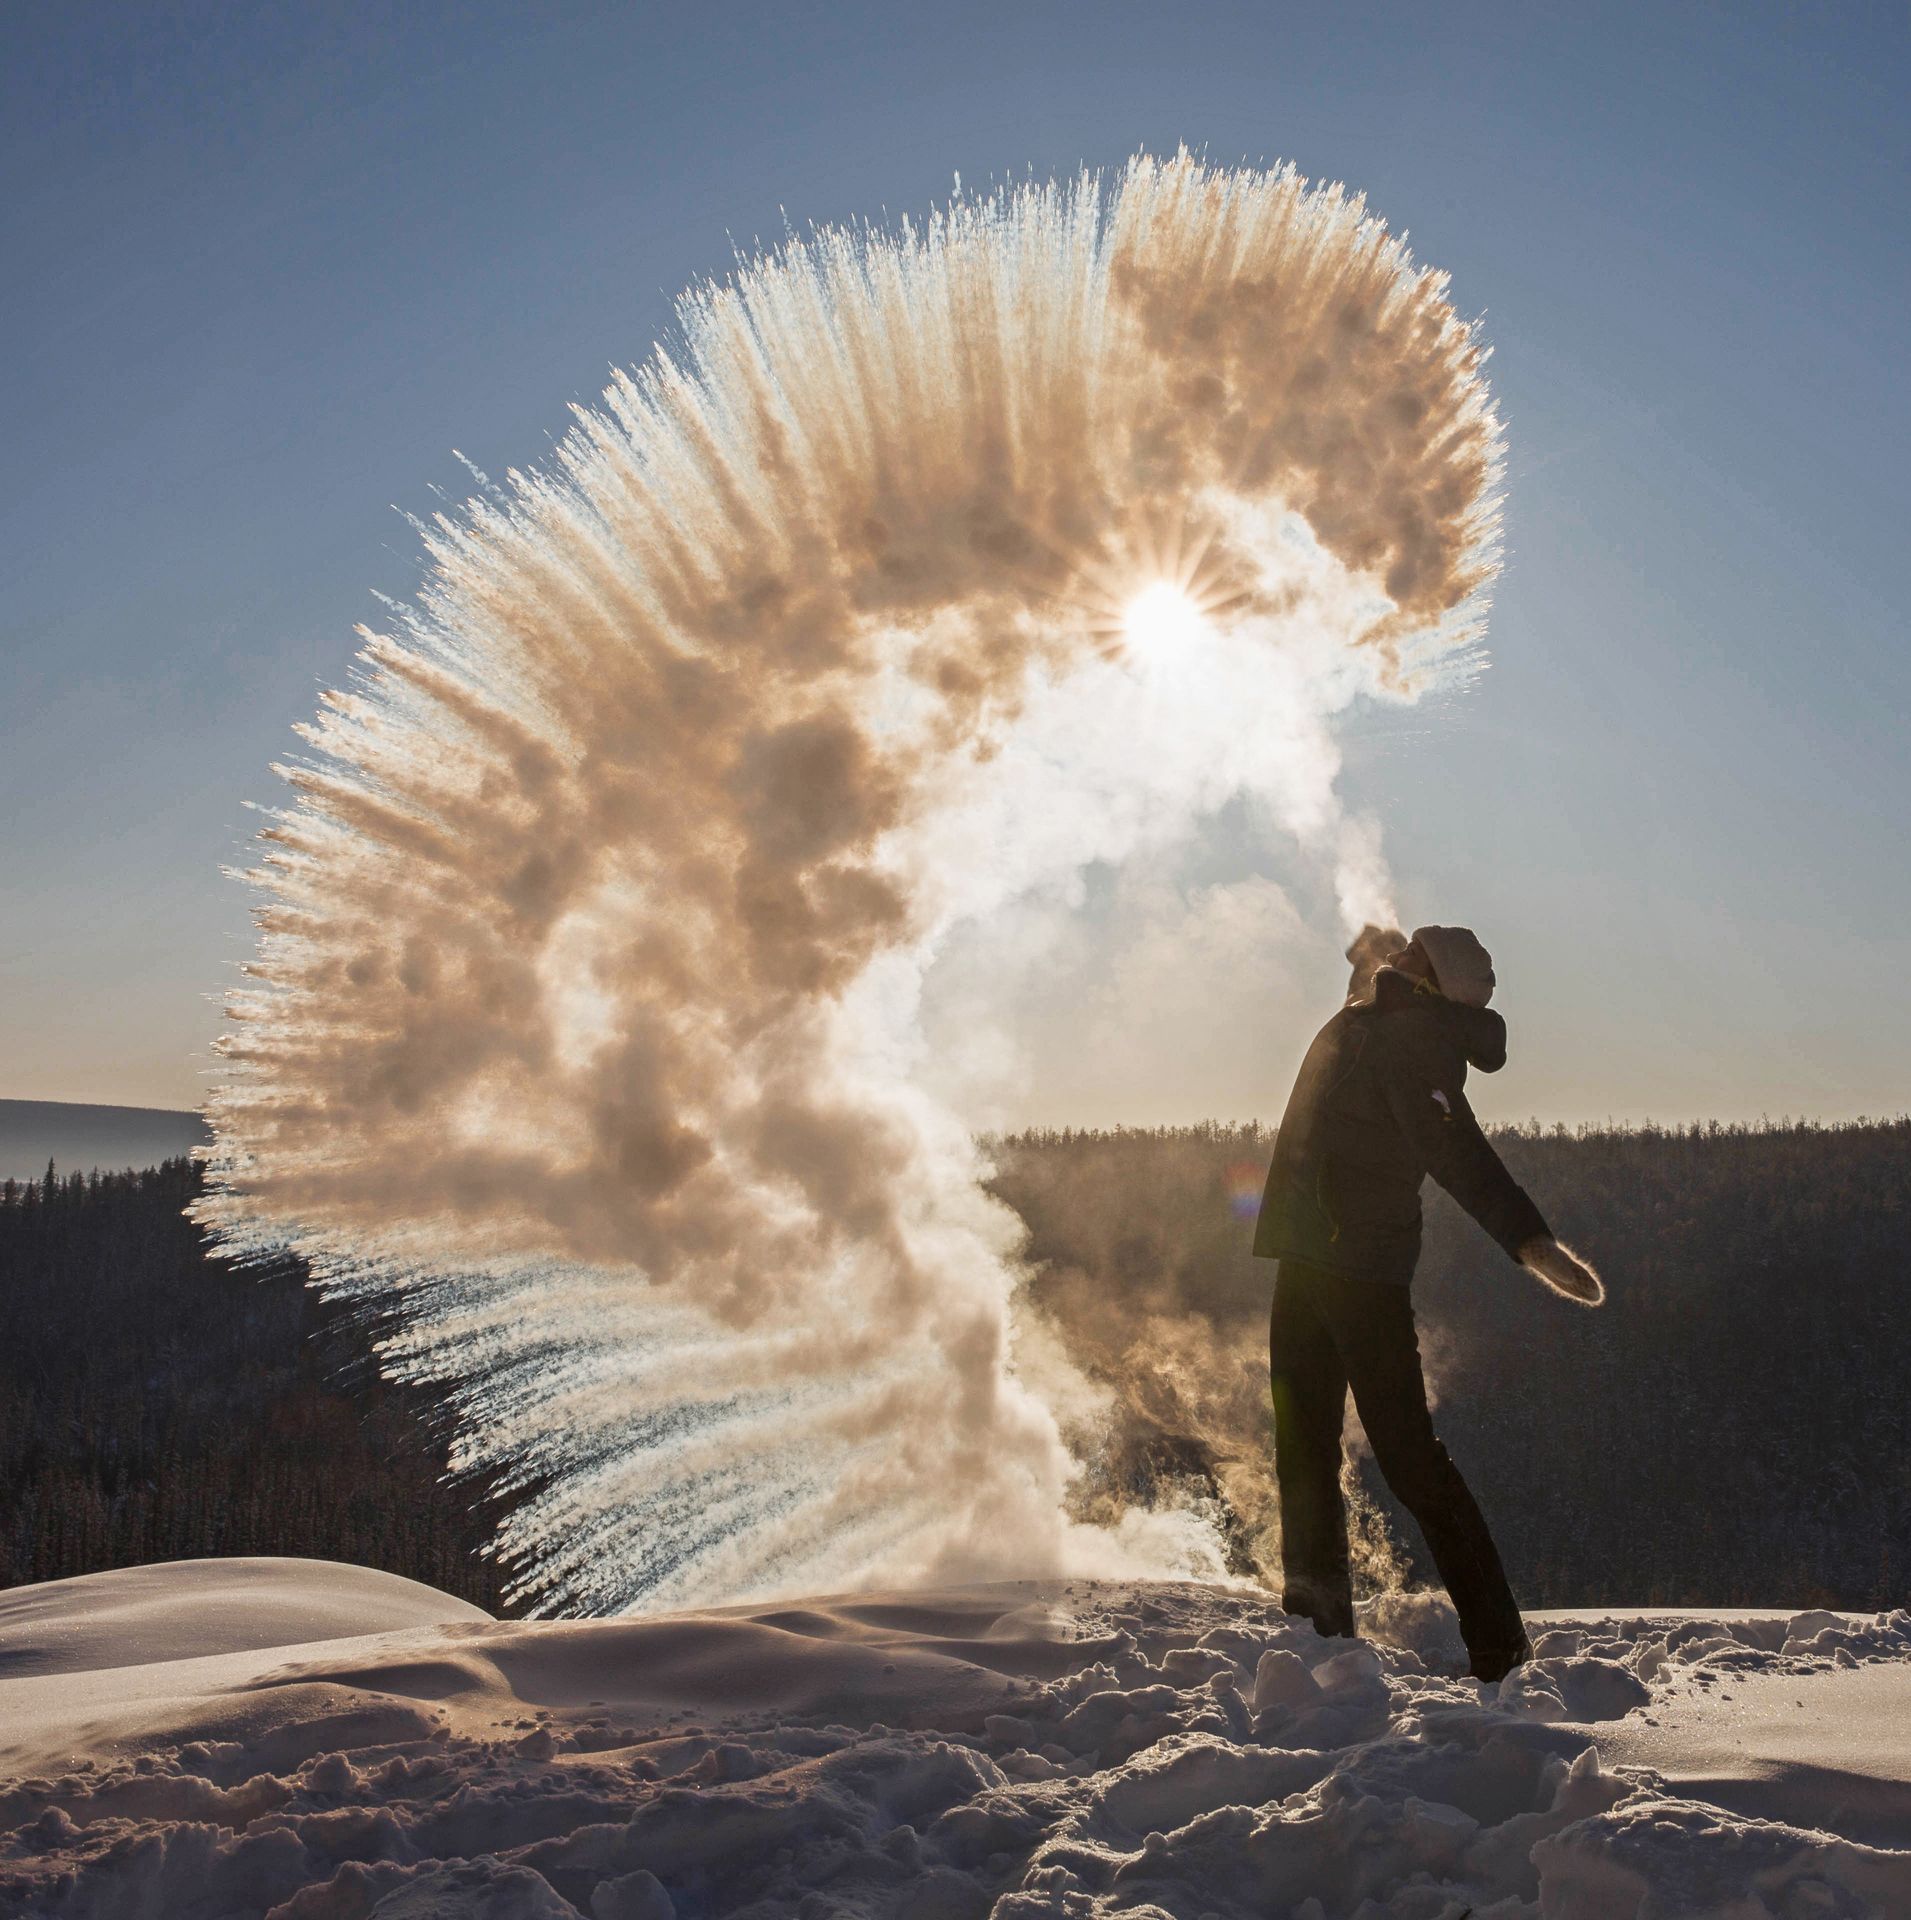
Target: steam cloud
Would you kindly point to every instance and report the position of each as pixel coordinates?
(585, 1026)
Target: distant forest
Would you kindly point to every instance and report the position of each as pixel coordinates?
(159, 1403)
(1734, 1428)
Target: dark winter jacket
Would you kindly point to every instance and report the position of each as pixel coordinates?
(1380, 1103)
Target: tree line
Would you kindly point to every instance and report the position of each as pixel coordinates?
(1733, 1428)
(160, 1403)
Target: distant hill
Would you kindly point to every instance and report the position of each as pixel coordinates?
(79, 1138)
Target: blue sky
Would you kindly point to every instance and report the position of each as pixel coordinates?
(267, 267)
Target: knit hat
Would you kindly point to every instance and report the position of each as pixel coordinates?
(1462, 968)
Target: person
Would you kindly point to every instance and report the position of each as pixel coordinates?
(1379, 1103)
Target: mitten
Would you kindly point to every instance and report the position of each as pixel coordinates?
(1563, 1270)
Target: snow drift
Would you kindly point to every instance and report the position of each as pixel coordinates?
(1021, 1751)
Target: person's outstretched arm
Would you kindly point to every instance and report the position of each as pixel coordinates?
(1432, 1109)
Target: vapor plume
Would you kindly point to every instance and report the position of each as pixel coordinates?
(927, 569)
(1138, 1271)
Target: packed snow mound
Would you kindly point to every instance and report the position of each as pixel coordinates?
(186, 1609)
(1019, 1751)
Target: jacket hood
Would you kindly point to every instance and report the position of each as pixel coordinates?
(1479, 1032)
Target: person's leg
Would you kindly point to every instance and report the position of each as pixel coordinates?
(1310, 1398)
(1373, 1327)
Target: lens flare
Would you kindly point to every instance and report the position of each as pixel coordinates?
(1245, 1179)
(584, 1040)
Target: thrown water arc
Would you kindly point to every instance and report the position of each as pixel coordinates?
(583, 1027)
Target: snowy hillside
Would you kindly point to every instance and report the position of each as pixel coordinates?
(321, 1742)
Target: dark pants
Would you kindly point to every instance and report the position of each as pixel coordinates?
(1329, 1333)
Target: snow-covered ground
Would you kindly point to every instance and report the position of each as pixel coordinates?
(321, 1742)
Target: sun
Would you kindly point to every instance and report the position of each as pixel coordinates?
(1161, 620)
